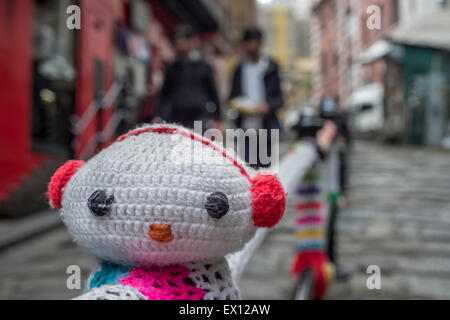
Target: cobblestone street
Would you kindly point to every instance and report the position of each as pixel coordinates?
(398, 217)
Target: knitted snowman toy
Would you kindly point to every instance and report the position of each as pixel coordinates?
(161, 207)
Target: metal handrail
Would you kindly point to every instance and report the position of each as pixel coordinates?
(102, 136)
(293, 167)
(79, 124)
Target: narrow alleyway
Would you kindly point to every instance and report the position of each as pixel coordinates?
(398, 217)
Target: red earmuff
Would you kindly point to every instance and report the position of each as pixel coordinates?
(269, 200)
(60, 179)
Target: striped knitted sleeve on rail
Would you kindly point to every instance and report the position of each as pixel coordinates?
(310, 221)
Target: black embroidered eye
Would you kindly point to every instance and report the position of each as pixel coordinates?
(217, 205)
(99, 203)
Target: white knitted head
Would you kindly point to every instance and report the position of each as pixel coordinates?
(144, 200)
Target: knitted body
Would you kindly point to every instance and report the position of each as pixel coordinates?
(194, 281)
(158, 206)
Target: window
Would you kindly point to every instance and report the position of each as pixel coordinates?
(443, 3)
(323, 63)
(351, 25)
(395, 12)
(335, 55)
(335, 11)
(365, 32)
(412, 5)
(382, 20)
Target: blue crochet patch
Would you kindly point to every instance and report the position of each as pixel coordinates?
(109, 273)
(310, 246)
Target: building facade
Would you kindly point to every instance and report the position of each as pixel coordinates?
(68, 92)
(364, 51)
(341, 35)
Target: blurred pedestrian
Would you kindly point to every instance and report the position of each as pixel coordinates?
(256, 83)
(189, 91)
(330, 110)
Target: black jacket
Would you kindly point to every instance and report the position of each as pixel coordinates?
(188, 93)
(274, 95)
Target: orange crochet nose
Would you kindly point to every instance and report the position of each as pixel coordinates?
(161, 232)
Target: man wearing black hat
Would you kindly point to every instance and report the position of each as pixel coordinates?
(256, 80)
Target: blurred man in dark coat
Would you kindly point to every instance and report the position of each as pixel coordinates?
(189, 91)
(257, 80)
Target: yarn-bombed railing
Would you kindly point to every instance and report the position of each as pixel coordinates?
(95, 108)
(313, 209)
(293, 166)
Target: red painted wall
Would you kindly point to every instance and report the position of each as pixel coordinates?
(96, 40)
(15, 90)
